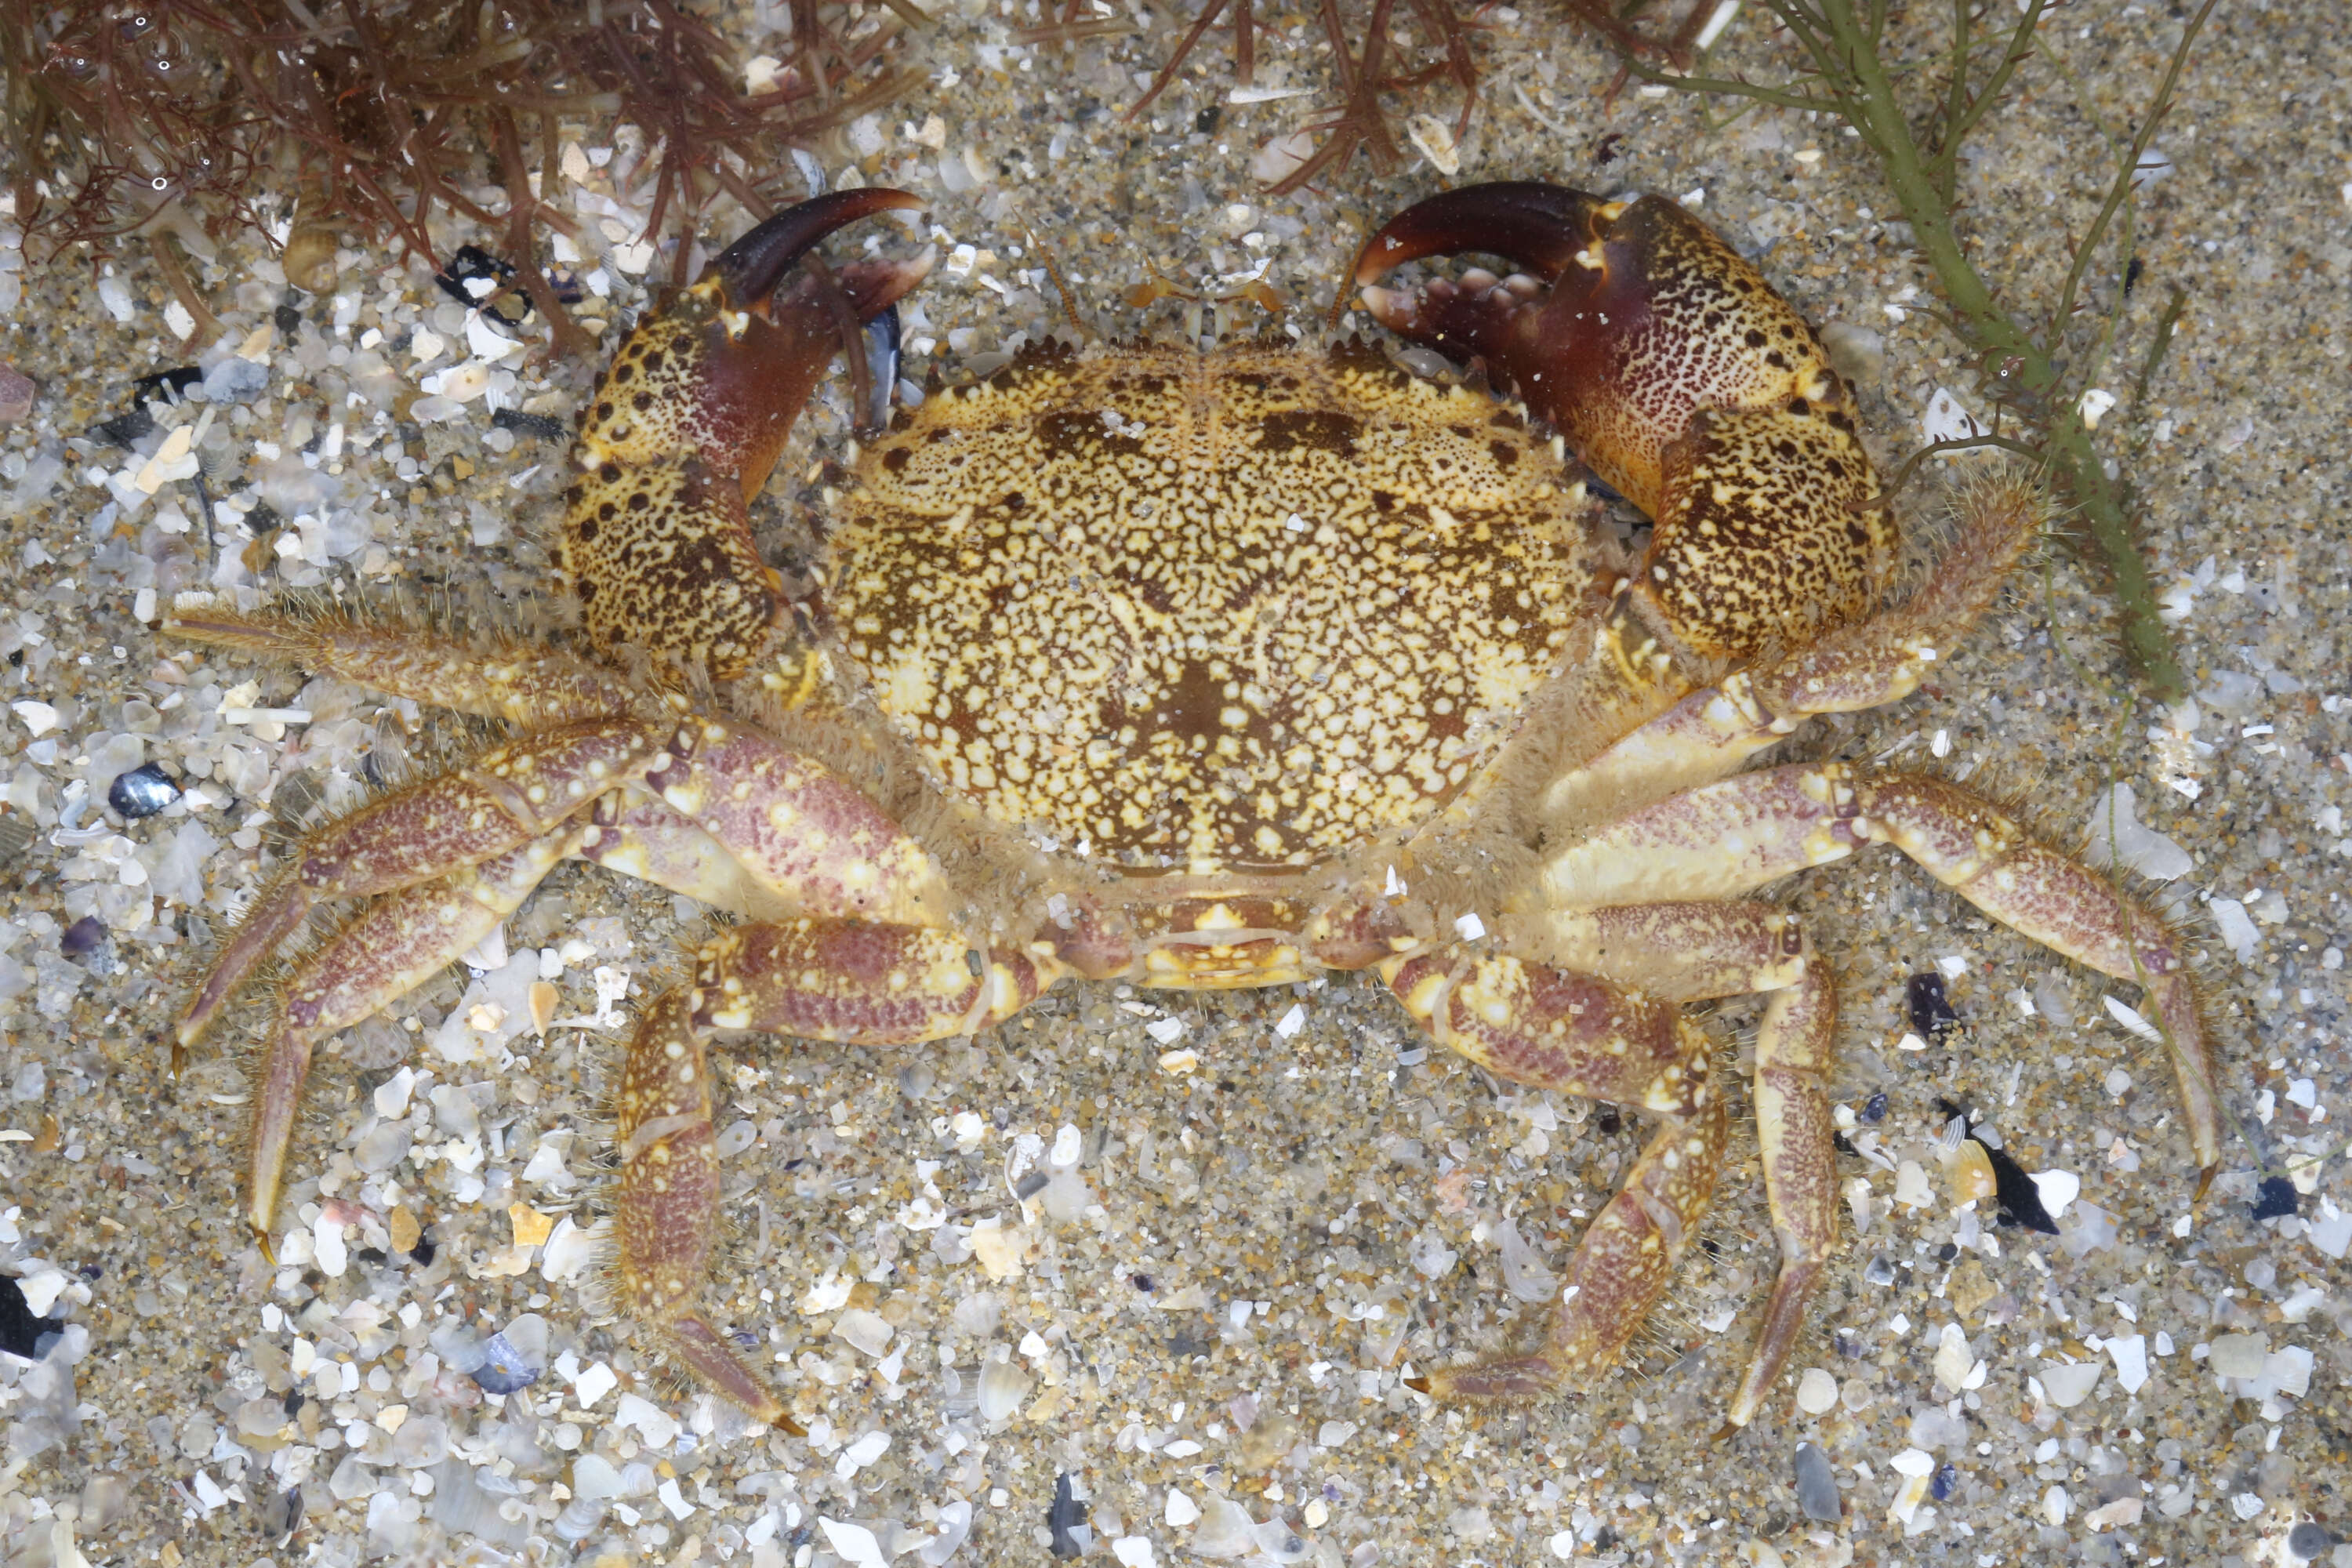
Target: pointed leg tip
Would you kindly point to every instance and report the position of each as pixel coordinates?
(782, 1422)
(261, 1240)
(1730, 1428)
(2204, 1180)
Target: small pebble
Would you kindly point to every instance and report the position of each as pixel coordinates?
(17, 390)
(1930, 1009)
(82, 936)
(514, 1357)
(2238, 1355)
(865, 1331)
(1817, 1391)
(2309, 1541)
(1817, 1491)
(2276, 1199)
(1002, 1384)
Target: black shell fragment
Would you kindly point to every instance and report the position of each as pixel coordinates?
(1931, 1010)
(143, 792)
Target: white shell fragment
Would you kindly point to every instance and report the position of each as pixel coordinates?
(2067, 1384)
(1817, 1392)
(2058, 1189)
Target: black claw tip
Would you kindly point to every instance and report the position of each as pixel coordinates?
(753, 267)
(1536, 226)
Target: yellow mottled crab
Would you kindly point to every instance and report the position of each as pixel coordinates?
(1216, 670)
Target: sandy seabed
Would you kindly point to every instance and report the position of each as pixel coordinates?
(1201, 1331)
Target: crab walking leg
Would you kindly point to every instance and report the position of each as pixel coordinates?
(860, 983)
(529, 685)
(1796, 1048)
(1691, 952)
(646, 839)
(502, 800)
(1970, 845)
(798, 828)
(1620, 1267)
(1710, 733)
(824, 979)
(389, 949)
(666, 1219)
(1719, 841)
(1727, 839)
(1686, 952)
(1553, 1028)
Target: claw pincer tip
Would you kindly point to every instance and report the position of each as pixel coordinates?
(753, 267)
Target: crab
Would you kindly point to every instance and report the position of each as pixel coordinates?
(1212, 671)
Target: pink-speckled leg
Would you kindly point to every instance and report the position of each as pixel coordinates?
(1973, 847)
(1727, 839)
(1730, 837)
(666, 1219)
(645, 839)
(797, 828)
(851, 981)
(1691, 952)
(1554, 1028)
(501, 801)
(1711, 732)
(390, 948)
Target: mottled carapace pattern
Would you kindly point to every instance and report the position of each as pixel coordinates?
(1198, 611)
(656, 540)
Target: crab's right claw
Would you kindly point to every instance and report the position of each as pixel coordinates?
(689, 419)
(1681, 378)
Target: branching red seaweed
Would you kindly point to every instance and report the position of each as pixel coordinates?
(169, 116)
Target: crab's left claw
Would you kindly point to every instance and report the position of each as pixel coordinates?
(1681, 378)
(687, 421)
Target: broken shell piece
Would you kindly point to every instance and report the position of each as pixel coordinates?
(543, 999)
(1968, 1171)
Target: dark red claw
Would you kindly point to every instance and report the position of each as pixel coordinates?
(753, 267)
(1536, 226)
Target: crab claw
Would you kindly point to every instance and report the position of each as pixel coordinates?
(687, 421)
(1679, 377)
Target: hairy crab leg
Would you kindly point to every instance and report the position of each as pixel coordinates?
(389, 949)
(1725, 840)
(1710, 733)
(666, 1219)
(798, 828)
(1620, 1267)
(1692, 952)
(646, 839)
(839, 980)
(529, 684)
(500, 801)
(1554, 1028)
(1680, 376)
(685, 423)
